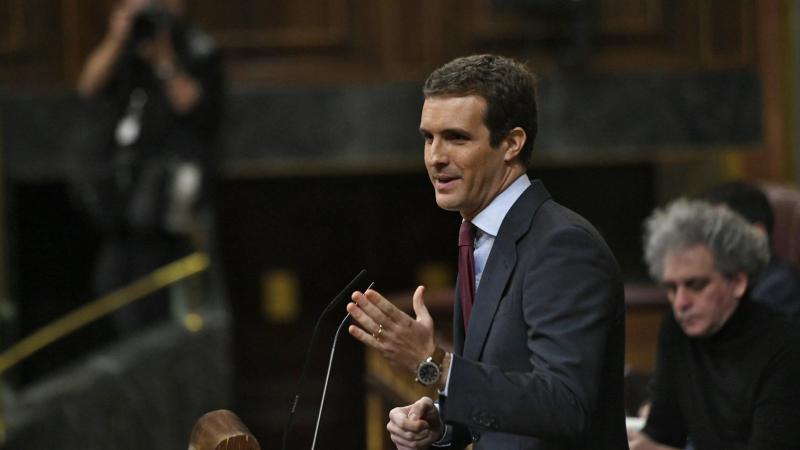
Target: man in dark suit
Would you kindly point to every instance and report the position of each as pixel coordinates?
(538, 359)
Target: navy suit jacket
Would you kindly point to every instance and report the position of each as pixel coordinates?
(541, 365)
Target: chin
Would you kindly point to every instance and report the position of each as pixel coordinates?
(697, 332)
(446, 204)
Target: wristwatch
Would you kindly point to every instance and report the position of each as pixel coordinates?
(430, 370)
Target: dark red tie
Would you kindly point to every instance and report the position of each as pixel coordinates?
(466, 269)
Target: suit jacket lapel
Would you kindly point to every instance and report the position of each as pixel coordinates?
(499, 266)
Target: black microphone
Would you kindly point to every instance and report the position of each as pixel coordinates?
(336, 300)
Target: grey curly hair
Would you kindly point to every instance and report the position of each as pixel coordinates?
(735, 244)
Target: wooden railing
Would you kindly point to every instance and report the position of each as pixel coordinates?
(160, 278)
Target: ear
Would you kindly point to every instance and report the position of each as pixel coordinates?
(739, 282)
(515, 140)
(760, 227)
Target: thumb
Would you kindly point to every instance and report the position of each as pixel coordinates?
(420, 309)
(418, 410)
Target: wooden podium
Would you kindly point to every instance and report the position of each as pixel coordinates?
(221, 430)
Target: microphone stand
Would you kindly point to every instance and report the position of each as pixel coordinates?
(327, 377)
(344, 292)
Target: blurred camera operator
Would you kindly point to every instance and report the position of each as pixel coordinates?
(153, 90)
(148, 26)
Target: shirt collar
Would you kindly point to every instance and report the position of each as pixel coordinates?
(490, 218)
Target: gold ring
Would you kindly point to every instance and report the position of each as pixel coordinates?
(377, 334)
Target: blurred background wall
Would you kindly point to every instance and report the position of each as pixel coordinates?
(320, 168)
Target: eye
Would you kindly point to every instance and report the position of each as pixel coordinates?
(426, 136)
(697, 284)
(456, 136)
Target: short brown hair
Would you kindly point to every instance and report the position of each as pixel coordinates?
(508, 87)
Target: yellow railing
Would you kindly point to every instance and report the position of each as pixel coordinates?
(164, 276)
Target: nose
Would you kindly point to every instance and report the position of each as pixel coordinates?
(437, 152)
(681, 299)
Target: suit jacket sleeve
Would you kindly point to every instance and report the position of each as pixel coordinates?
(566, 294)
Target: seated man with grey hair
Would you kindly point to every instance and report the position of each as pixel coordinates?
(728, 369)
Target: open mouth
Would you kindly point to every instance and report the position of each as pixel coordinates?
(445, 181)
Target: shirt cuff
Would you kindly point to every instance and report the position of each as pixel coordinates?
(445, 440)
(449, 371)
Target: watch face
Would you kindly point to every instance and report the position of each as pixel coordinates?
(428, 373)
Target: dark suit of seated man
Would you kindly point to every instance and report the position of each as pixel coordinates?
(727, 367)
(539, 352)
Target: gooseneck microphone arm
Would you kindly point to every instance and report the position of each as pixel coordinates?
(360, 278)
(327, 377)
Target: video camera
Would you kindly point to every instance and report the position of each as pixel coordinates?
(151, 19)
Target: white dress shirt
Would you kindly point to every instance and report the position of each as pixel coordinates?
(488, 222)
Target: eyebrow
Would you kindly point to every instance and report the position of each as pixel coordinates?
(446, 131)
(695, 284)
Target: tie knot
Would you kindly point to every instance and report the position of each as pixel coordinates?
(466, 234)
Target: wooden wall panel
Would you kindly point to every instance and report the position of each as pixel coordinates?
(311, 41)
(626, 18)
(413, 34)
(85, 23)
(499, 24)
(11, 26)
(692, 35)
(772, 162)
(727, 32)
(29, 45)
(262, 25)
(630, 17)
